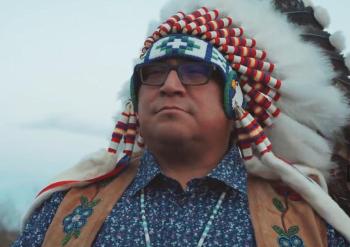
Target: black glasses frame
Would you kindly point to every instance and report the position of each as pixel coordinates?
(210, 67)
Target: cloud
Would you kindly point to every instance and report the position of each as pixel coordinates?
(69, 123)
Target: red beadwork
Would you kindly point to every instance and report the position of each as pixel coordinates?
(250, 62)
(235, 41)
(211, 15)
(258, 75)
(175, 18)
(189, 18)
(222, 33)
(243, 51)
(213, 25)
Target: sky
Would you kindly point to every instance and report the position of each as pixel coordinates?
(62, 64)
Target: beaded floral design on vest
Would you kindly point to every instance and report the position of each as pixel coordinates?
(287, 236)
(73, 222)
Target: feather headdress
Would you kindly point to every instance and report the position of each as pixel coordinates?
(296, 105)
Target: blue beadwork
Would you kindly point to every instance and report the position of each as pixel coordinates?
(287, 237)
(73, 222)
(77, 219)
(293, 241)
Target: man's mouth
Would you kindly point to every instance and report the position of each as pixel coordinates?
(171, 108)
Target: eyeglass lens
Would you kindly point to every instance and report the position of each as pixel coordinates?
(189, 73)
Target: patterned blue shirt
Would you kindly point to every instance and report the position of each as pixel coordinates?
(175, 217)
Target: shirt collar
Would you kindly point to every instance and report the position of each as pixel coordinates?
(230, 171)
(147, 171)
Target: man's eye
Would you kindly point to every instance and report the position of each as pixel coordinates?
(155, 71)
(195, 70)
(152, 73)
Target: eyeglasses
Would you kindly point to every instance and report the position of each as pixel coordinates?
(192, 73)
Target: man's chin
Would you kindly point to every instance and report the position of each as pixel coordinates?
(173, 134)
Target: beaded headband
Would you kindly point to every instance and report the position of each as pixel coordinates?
(180, 45)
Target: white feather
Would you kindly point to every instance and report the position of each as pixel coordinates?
(347, 61)
(308, 3)
(326, 111)
(322, 16)
(337, 39)
(299, 144)
(302, 66)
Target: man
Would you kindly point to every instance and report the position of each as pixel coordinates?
(190, 187)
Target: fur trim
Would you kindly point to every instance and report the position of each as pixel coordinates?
(337, 39)
(322, 16)
(93, 165)
(39, 200)
(347, 61)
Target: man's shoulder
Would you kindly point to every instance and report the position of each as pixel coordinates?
(34, 229)
(93, 169)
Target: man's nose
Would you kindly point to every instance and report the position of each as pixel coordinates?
(172, 85)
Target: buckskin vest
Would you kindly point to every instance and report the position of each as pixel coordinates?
(278, 215)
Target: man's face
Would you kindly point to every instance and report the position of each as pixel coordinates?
(175, 113)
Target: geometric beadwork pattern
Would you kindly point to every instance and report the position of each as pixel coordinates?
(187, 46)
(219, 59)
(182, 45)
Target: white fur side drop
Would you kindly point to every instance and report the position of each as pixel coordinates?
(337, 39)
(347, 61)
(322, 16)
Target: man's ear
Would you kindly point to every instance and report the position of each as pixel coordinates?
(134, 88)
(138, 130)
(233, 134)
